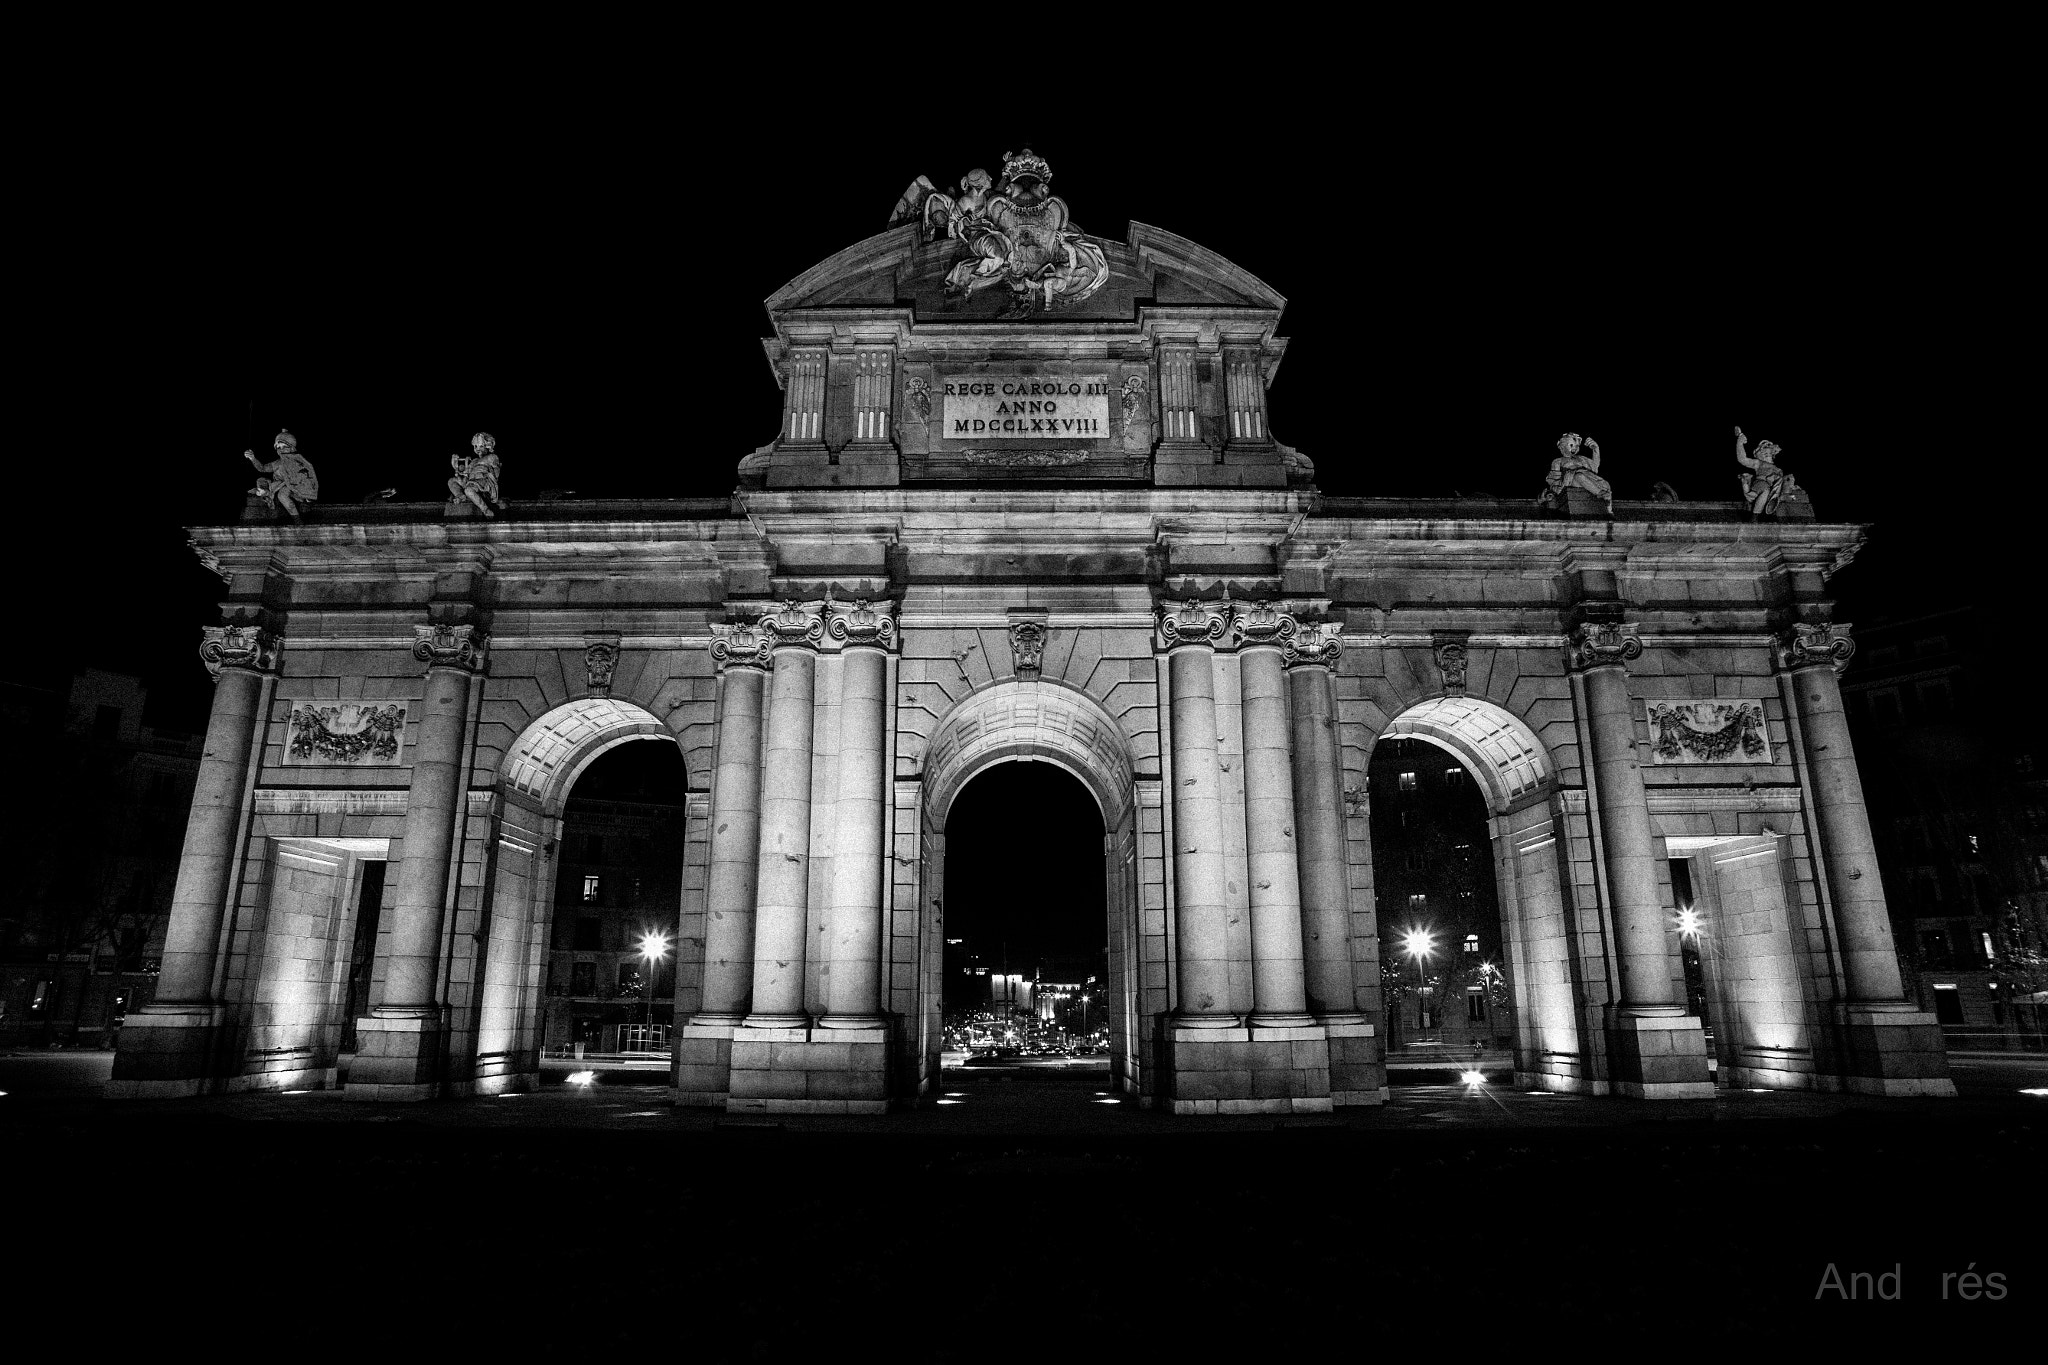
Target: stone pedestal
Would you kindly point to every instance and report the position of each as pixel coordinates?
(1577, 502)
(703, 1064)
(166, 1053)
(809, 1071)
(397, 1058)
(1659, 1057)
(1250, 1070)
(1894, 1050)
(1358, 1074)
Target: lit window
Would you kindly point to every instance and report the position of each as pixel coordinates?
(1475, 1004)
(1990, 953)
(590, 888)
(1418, 901)
(1407, 782)
(1453, 773)
(1471, 943)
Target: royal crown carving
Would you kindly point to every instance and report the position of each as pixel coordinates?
(1194, 623)
(445, 646)
(791, 624)
(1597, 643)
(1806, 645)
(863, 625)
(250, 647)
(1316, 645)
(1452, 654)
(1263, 624)
(742, 644)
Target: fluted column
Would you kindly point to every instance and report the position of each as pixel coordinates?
(1332, 988)
(1278, 997)
(1201, 903)
(238, 657)
(1600, 651)
(1813, 655)
(783, 870)
(453, 654)
(742, 654)
(853, 951)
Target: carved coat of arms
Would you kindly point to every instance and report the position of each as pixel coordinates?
(1015, 231)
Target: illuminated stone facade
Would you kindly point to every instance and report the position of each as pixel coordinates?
(1160, 602)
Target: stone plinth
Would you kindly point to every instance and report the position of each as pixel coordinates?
(1894, 1052)
(703, 1064)
(803, 1070)
(165, 1054)
(1659, 1057)
(1358, 1075)
(1250, 1070)
(396, 1059)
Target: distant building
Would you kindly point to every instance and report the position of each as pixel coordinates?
(1958, 799)
(98, 838)
(620, 879)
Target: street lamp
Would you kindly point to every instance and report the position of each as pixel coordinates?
(654, 948)
(1420, 944)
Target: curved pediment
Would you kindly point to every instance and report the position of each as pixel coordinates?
(900, 269)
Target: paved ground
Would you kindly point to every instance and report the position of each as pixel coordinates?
(1028, 1212)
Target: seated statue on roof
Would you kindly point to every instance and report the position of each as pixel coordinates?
(1577, 466)
(476, 475)
(288, 481)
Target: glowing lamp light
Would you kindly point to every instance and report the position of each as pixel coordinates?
(654, 946)
(1689, 923)
(582, 1077)
(952, 1101)
(1474, 1078)
(1419, 943)
(2039, 1092)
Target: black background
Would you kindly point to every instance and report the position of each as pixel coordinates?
(1469, 272)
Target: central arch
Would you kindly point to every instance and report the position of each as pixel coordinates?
(1044, 722)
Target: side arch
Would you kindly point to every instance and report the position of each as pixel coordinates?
(534, 781)
(1517, 775)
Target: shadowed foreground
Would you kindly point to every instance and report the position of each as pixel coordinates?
(1453, 1215)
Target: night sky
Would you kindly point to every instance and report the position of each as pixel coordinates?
(1024, 873)
(586, 282)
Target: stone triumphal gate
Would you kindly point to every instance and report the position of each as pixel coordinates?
(1024, 505)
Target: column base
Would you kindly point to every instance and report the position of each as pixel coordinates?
(1893, 1049)
(166, 1052)
(1658, 1057)
(806, 1070)
(1249, 1070)
(397, 1059)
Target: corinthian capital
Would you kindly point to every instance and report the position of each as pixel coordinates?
(1603, 642)
(250, 647)
(1803, 646)
(1193, 623)
(445, 646)
(1263, 624)
(863, 625)
(740, 645)
(793, 625)
(1314, 646)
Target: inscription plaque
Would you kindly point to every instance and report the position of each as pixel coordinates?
(1026, 408)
